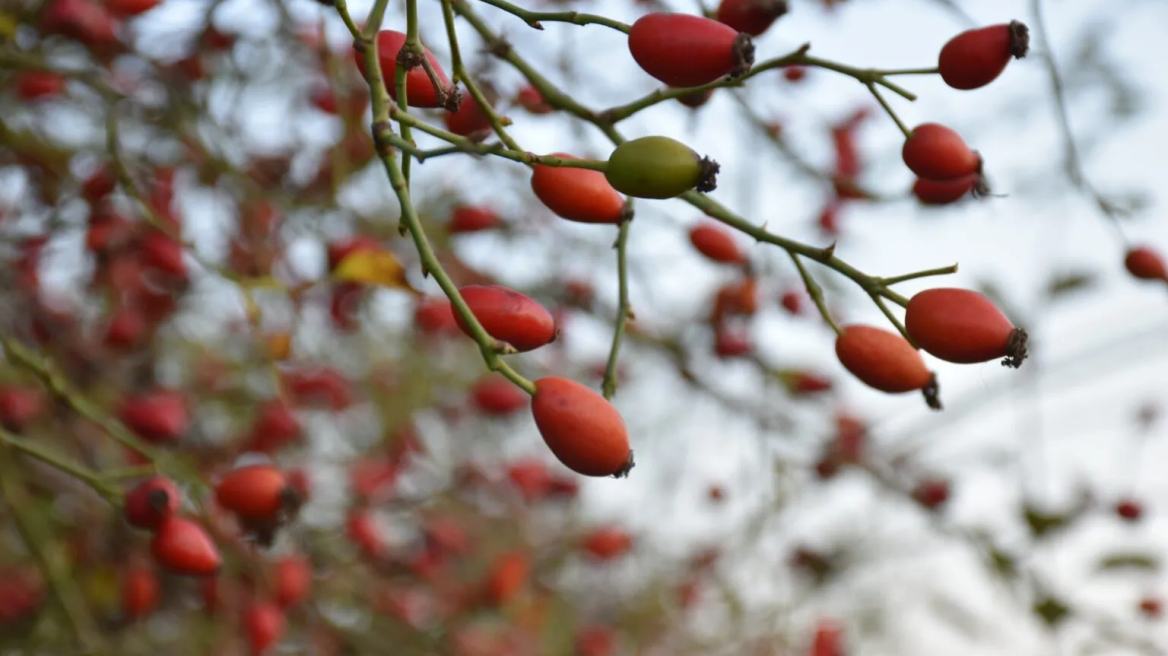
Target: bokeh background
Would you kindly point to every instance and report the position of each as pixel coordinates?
(1071, 136)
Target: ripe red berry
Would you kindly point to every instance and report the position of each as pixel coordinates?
(361, 527)
(829, 639)
(99, 184)
(163, 255)
(931, 493)
(683, 50)
(731, 342)
(317, 386)
(35, 85)
(531, 99)
(964, 327)
(435, 316)
(1129, 510)
(139, 591)
(420, 90)
(795, 73)
(1145, 263)
(716, 243)
(183, 547)
(274, 427)
(595, 640)
(495, 395)
(936, 152)
(19, 406)
(507, 577)
(885, 361)
(126, 329)
(469, 121)
(255, 492)
(792, 302)
(293, 580)
(130, 7)
(1151, 607)
(264, 624)
(943, 192)
(151, 501)
(696, 99)
(751, 16)
(508, 316)
(977, 57)
(580, 195)
(607, 543)
(582, 429)
(472, 218)
(156, 416)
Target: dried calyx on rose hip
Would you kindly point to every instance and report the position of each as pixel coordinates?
(659, 167)
(977, 57)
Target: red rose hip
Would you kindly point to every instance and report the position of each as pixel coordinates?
(582, 429)
(151, 502)
(683, 50)
(936, 152)
(751, 16)
(944, 192)
(977, 57)
(580, 195)
(963, 327)
(183, 547)
(716, 243)
(1145, 263)
(254, 492)
(508, 316)
(885, 361)
(420, 91)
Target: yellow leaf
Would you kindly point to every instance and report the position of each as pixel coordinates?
(279, 345)
(373, 267)
(8, 26)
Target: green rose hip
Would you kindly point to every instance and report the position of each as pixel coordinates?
(659, 167)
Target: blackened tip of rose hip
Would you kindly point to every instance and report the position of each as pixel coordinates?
(623, 472)
(627, 213)
(981, 187)
(290, 501)
(709, 176)
(1016, 349)
(743, 55)
(932, 393)
(1019, 39)
(158, 500)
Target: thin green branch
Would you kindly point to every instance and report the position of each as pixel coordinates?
(940, 271)
(909, 71)
(879, 301)
(816, 293)
(61, 583)
(460, 72)
(623, 312)
(40, 366)
(89, 477)
(490, 347)
(558, 99)
(888, 110)
(533, 18)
